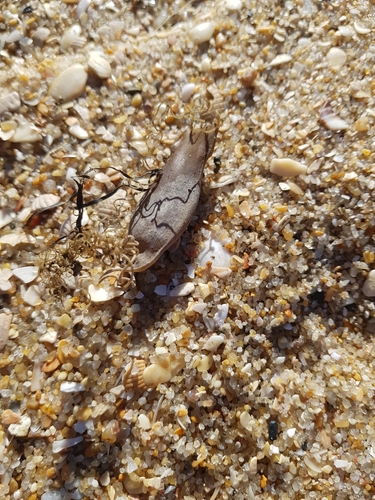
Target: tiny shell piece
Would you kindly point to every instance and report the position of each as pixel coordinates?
(369, 286)
(9, 417)
(64, 444)
(10, 102)
(44, 201)
(187, 91)
(31, 295)
(330, 120)
(280, 59)
(163, 371)
(213, 343)
(285, 167)
(202, 32)
(78, 132)
(72, 387)
(69, 84)
(26, 274)
(99, 294)
(360, 29)
(133, 378)
(26, 133)
(5, 322)
(336, 58)
(21, 428)
(182, 290)
(99, 64)
(72, 38)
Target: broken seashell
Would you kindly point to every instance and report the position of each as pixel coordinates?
(133, 378)
(31, 295)
(100, 294)
(224, 180)
(44, 201)
(21, 428)
(336, 58)
(330, 120)
(163, 371)
(6, 216)
(41, 35)
(69, 223)
(64, 444)
(9, 417)
(280, 59)
(369, 286)
(98, 62)
(360, 29)
(78, 132)
(36, 378)
(69, 387)
(69, 84)
(5, 284)
(285, 167)
(10, 102)
(14, 239)
(72, 39)
(213, 343)
(26, 274)
(26, 133)
(205, 363)
(216, 255)
(182, 290)
(5, 322)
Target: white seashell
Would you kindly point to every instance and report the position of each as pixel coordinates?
(233, 5)
(82, 6)
(20, 429)
(99, 294)
(14, 239)
(330, 120)
(44, 201)
(10, 102)
(31, 295)
(5, 135)
(36, 378)
(72, 387)
(49, 337)
(214, 252)
(202, 32)
(140, 146)
(69, 84)
(26, 133)
(224, 180)
(5, 322)
(5, 284)
(187, 91)
(369, 286)
(26, 274)
(144, 422)
(163, 371)
(291, 432)
(280, 59)
(270, 131)
(213, 343)
(221, 314)
(69, 223)
(78, 132)
(284, 186)
(41, 35)
(15, 36)
(64, 444)
(346, 31)
(99, 64)
(6, 216)
(336, 58)
(72, 39)
(286, 167)
(360, 29)
(199, 307)
(295, 189)
(182, 290)
(246, 421)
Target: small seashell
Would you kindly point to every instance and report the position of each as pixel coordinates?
(285, 167)
(214, 253)
(182, 290)
(26, 133)
(221, 314)
(14, 239)
(69, 387)
(41, 35)
(69, 84)
(72, 39)
(163, 371)
(5, 322)
(6, 216)
(36, 378)
(369, 286)
(133, 378)
(280, 59)
(187, 91)
(330, 120)
(49, 337)
(246, 421)
(5, 284)
(346, 31)
(360, 29)
(144, 422)
(69, 223)
(98, 62)
(10, 102)
(15, 36)
(224, 180)
(78, 132)
(233, 5)
(26, 274)
(64, 444)
(31, 295)
(294, 188)
(213, 343)
(336, 58)
(111, 431)
(21, 428)
(202, 32)
(44, 201)
(82, 6)
(100, 294)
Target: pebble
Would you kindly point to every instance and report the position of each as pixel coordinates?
(187, 91)
(369, 286)
(5, 322)
(280, 59)
(336, 58)
(285, 167)
(21, 428)
(202, 32)
(98, 62)
(69, 84)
